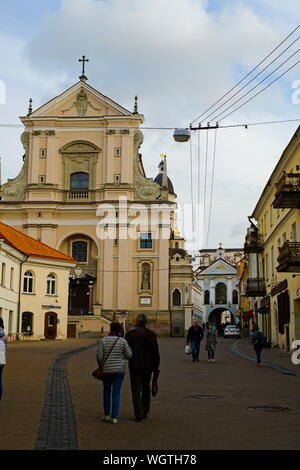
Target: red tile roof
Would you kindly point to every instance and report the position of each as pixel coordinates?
(30, 246)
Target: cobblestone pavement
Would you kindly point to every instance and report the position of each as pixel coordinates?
(221, 416)
(52, 401)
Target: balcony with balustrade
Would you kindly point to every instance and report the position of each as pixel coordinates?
(289, 258)
(287, 195)
(254, 243)
(255, 287)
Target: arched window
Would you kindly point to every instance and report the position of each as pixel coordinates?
(221, 293)
(235, 297)
(27, 322)
(176, 245)
(176, 297)
(80, 251)
(206, 297)
(145, 277)
(51, 284)
(79, 180)
(28, 283)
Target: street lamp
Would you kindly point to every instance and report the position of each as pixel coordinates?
(182, 135)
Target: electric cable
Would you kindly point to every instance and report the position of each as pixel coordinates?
(212, 186)
(250, 81)
(214, 118)
(247, 75)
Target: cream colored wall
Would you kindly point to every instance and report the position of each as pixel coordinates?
(273, 224)
(33, 302)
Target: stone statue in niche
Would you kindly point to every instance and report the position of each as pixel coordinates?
(146, 278)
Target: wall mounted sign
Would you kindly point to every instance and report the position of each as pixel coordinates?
(51, 307)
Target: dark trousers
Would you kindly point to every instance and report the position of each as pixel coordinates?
(140, 388)
(211, 354)
(195, 346)
(258, 351)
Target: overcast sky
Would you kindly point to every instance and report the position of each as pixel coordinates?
(178, 57)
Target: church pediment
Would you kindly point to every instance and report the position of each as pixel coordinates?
(219, 268)
(81, 100)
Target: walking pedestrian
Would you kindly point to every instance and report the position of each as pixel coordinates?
(145, 361)
(194, 336)
(3, 349)
(211, 342)
(112, 352)
(258, 341)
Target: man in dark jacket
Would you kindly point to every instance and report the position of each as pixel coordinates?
(145, 361)
(194, 336)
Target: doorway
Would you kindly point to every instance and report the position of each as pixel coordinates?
(50, 325)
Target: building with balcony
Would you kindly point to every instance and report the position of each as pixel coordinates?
(272, 251)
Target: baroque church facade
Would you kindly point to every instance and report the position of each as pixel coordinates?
(83, 190)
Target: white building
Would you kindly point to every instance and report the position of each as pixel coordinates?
(219, 283)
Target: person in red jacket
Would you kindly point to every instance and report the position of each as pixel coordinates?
(145, 361)
(194, 336)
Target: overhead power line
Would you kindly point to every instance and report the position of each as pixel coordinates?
(252, 80)
(247, 75)
(259, 92)
(214, 118)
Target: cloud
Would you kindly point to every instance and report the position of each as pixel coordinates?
(179, 59)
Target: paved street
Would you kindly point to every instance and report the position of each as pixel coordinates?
(52, 401)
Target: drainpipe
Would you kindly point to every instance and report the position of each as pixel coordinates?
(19, 299)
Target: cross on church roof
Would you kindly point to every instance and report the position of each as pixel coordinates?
(83, 60)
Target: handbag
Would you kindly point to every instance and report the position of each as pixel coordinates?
(188, 349)
(98, 373)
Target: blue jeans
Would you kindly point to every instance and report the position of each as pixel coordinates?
(195, 346)
(114, 382)
(258, 351)
(1, 389)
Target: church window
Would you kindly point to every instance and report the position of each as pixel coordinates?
(176, 297)
(117, 151)
(221, 293)
(42, 179)
(146, 240)
(235, 299)
(176, 245)
(117, 178)
(79, 180)
(79, 251)
(206, 297)
(43, 153)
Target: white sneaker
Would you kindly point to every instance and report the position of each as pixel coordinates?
(114, 421)
(106, 419)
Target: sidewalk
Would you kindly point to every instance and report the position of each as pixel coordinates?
(24, 383)
(279, 359)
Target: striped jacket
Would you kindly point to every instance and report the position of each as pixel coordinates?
(115, 364)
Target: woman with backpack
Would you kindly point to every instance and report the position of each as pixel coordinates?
(258, 342)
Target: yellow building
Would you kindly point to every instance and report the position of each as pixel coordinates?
(83, 190)
(33, 287)
(273, 250)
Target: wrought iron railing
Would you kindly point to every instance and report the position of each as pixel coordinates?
(289, 251)
(288, 182)
(256, 287)
(254, 243)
